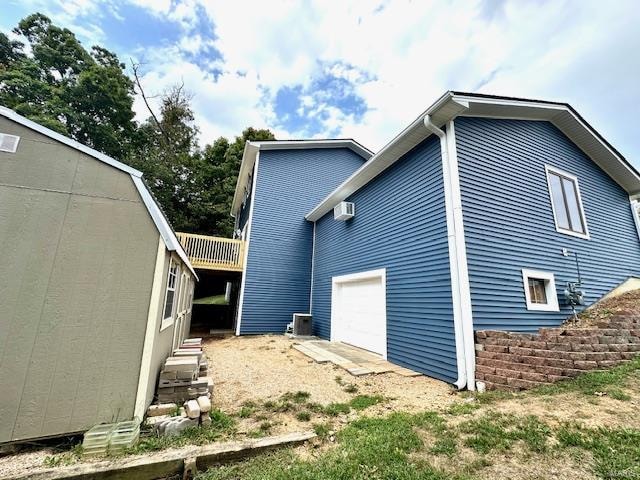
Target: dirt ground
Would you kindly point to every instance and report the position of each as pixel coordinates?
(263, 368)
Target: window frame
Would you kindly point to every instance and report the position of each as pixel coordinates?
(168, 321)
(549, 287)
(573, 178)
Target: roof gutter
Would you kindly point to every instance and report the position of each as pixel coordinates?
(460, 293)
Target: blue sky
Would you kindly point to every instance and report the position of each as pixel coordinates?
(366, 69)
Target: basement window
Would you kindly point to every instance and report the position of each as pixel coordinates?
(170, 295)
(540, 290)
(566, 203)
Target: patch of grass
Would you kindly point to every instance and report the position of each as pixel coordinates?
(297, 397)
(212, 300)
(322, 429)
(303, 416)
(445, 446)
(498, 432)
(618, 394)
(368, 448)
(339, 380)
(591, 382)
(335, 409)
(351, 388)
(616, 451)
(361, 402)
(463, 408)
(65, 458)
(487, 398)
(245, 412)
(222, 425)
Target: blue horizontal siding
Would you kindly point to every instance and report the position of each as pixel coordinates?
(278, 274)
(399, 225)
(509, 223)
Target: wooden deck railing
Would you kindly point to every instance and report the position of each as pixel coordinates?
(213, 253)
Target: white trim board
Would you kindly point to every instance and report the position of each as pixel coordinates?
(550, 290)
(337, 281)
(144, 378)
(245, 260)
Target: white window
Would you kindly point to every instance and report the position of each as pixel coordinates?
(170, 295)
(566, 203)
(540, 290)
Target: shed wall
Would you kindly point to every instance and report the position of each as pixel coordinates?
(75, 284)
(509, 222)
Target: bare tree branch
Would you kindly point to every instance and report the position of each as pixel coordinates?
(134, 67)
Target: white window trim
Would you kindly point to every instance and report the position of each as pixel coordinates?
(336, 282)
(635, 211)
(550, 289)
(167, 322)
(549, 169)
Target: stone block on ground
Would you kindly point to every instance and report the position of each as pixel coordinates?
(162, 409)
(204, 403)
(181, 363)
(177, 425)
(152, 421)
(205, 419)
(192, 408)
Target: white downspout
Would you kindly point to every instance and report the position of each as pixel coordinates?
(462, 319)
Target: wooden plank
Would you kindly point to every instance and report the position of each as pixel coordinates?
(164, 464)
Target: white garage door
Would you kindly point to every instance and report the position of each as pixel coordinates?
(358, 313)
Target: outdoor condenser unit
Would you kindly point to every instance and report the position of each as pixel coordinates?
(344, 211)
(302, 324)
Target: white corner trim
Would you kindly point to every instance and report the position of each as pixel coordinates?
(380, 273)
(313, 264)
(550, 290)
(551, 169)
(460, 290)
(247, 243)
(635, 212)
(144, 378)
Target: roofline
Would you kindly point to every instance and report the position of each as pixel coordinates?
(464, 100)
(251, 149)
(157, 215)
(11, 115)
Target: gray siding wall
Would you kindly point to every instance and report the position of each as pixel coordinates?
(278, 273)
(509, 222)
(75, 281)
(400, 225)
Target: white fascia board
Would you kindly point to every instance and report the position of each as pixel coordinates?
(13, 116)
(161, 223)
(251, 149)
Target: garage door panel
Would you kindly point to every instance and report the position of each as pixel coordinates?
(360, 312)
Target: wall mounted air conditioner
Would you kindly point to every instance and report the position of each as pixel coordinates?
(302, 324)
(344, 211)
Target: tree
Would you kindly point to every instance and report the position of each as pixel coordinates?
(86, 96)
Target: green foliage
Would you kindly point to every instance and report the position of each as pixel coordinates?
(303, 416)
(616, 451)
(598, 381)
(361, 402)
(369, 448)
(351, 388)
(322, 429)
(335, 409)
(462, 408)
(495, 431)
(87, 95)
(297, 397)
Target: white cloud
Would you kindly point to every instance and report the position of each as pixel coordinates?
(399, 57)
